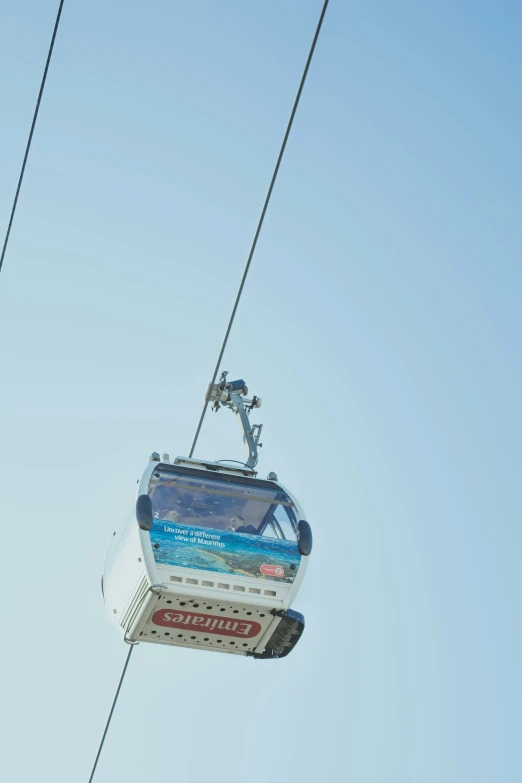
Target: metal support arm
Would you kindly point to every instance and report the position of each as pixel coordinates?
(231, 394)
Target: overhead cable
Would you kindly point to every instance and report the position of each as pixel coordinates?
(131, 648)
(33, 124)
(261, 219)
(232, 316)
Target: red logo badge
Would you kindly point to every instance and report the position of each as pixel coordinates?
(272, 570)
(206, 623)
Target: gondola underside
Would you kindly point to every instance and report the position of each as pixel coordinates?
(163, 617)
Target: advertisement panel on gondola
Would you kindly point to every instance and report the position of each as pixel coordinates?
(224, 551)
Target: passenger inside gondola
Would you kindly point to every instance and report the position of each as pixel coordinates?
(238, 525)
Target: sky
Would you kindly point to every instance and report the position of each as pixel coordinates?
(380, 324)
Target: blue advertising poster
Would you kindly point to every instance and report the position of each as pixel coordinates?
(224, 551)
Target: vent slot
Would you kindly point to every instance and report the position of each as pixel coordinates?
(221, 586)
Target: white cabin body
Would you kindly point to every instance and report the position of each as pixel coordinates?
(219, 567)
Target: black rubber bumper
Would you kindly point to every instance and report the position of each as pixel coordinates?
(285, 636)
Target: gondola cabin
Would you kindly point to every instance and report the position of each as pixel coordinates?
(212, 559)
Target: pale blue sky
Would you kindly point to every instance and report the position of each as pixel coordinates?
(381, 325)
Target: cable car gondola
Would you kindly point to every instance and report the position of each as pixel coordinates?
(213, 556)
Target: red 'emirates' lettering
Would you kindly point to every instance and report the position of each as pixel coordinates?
(206, 623)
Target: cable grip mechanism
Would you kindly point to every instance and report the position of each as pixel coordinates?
(232, 394)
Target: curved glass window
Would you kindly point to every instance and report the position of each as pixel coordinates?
(220, 504)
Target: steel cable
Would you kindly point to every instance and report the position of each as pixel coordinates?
(33, 124)
(261, 219)
(231, 320)
(131, 648)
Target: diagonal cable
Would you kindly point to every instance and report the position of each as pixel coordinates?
(131, 648)
(231, 320)
(262, 218)
(33, 124)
